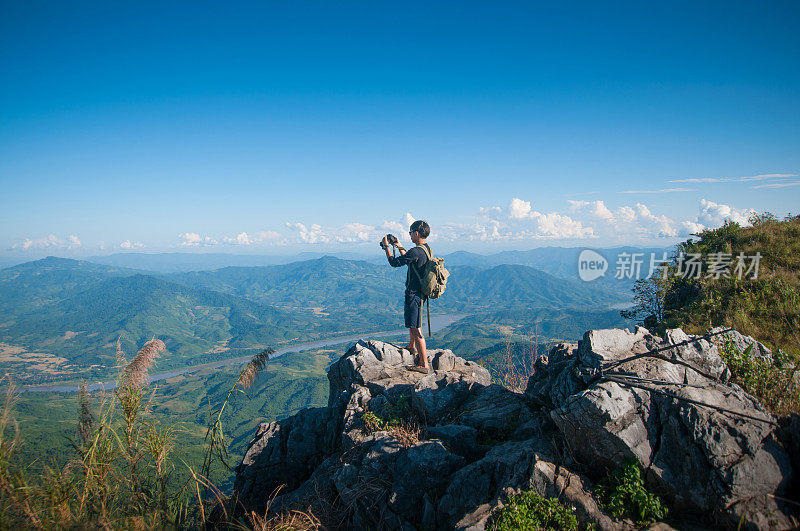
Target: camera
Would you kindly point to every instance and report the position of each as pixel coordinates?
(391, 238)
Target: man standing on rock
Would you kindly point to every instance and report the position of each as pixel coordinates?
(416, 258)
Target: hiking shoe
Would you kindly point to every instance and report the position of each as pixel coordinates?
(418, 368)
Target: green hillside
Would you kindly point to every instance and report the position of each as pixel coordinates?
(30, 285)
(766, 307)
(326, 282)
(334, 285)
(517, 286)
(61, 318)
(74, 334)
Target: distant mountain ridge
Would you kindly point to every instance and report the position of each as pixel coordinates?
(343, 284)
(558, 261)
(561, 262)
(75, 311)
(70, 313)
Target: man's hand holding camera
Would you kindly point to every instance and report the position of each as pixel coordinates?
(391, 240)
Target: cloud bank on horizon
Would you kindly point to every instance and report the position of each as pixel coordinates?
(589, 222)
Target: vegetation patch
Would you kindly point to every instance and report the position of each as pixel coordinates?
(766, 306)
(772, 382)
(528, 510)
(622, 494)
(396, 419)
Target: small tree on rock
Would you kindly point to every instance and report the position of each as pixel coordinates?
(648, 301)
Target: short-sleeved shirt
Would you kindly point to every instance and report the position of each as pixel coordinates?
(416, 258)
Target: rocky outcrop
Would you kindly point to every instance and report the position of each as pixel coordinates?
(402, 450)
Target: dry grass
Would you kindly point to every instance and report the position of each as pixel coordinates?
(407, 434)
(251, 370)
(291, 520)
(118, 476)
(518, 361)
(136, 373)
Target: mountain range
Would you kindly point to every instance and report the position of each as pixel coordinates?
(61, 318)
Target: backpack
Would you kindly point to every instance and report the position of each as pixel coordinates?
(432, 279)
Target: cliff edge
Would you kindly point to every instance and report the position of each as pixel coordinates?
(402, 450)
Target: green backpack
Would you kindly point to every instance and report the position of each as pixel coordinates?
(432, 279)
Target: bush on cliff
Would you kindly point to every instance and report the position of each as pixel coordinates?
(623, 495)
(766, 307)
(764, 304)
(528, 510)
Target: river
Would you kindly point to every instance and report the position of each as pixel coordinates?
(438, 322)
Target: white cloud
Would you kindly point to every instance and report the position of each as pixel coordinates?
(662, 226)
(128, 244)
(713, 215)
(240, 239)
(409, 219)
(558, 227)
(355, 232)
(518, 221)
(762, 177)
(393, 226)
(48, 242)
(778, 185)
(255, 238)
(662, 191)
(624, 222)
(74, 242)
(485, 230)
(192, 239)
(691, 227)
(597, 209)
(519, 209)
(625, 214)
(314, 234)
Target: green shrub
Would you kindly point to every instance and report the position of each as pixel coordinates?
(623, 495)
(766, 308)
(771, 382)
(528, 510)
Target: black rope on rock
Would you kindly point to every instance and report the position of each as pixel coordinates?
(654, 354)
(689, 400)
(650, 380)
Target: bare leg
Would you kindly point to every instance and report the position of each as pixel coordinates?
(410, 339)
(419, 342)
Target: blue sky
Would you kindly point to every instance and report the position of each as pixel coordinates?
(276, 127)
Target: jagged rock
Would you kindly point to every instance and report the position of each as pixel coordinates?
(701, 459)
(509, 468)
(461, 440)
(304, 452)
(282, 453)
(478, 443)
(741, 342)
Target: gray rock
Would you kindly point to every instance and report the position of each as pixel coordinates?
(494, 411)
(701, 459)
(285, 452)
(479, 443)
(742, 342)
(482, 486)
(461, 440)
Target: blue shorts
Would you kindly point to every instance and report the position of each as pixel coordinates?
(412, 310)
